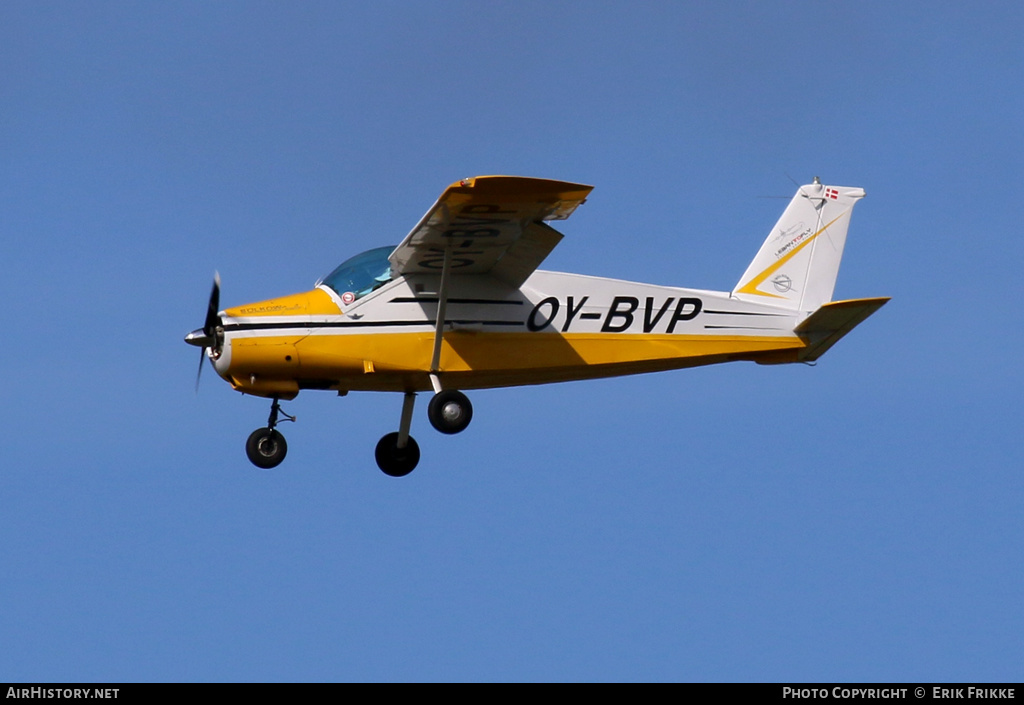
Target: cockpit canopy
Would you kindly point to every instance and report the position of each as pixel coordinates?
(358, 276)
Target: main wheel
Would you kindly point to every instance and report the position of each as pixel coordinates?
(395, 461)
(266, 448)
(449, 411)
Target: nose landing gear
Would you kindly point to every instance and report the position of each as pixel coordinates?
(266, 447)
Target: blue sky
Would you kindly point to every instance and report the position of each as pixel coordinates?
(860, 520)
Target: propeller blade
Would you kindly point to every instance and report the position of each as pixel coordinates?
(210, 327)
(206, 337)
(199, 374)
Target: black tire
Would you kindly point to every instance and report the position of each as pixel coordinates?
(449, 411)
(395, 461)
(266, 448)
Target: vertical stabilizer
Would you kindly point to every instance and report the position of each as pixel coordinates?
(797, 265)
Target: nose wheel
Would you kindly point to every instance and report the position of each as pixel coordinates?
(266, 447)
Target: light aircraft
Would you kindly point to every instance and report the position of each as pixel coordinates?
(460, 304)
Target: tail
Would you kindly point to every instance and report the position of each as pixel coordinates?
(797, 265)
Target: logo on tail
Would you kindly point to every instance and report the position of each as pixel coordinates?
(797, 266)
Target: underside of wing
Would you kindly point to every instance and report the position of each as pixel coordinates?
(490, 225)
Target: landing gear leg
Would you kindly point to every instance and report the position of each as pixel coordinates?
(266, 447)
(397, 453)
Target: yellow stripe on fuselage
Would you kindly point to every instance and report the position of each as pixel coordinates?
(470, 360)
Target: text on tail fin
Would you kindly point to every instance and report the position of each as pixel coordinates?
(797, 265)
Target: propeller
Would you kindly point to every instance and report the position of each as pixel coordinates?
(209, 336)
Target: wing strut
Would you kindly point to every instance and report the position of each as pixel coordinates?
(442, 304)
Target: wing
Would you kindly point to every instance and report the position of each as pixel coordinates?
(489, 225)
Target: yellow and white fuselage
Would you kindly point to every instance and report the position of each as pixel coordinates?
(556, 327)
(461, 304)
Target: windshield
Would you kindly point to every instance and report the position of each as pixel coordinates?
(358, 276)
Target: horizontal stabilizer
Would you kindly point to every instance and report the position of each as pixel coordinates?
(823, 328)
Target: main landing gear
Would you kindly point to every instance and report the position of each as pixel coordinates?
(397, 453)
(449, 412)
(266, 447)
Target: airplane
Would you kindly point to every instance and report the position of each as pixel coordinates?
(460, 304)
